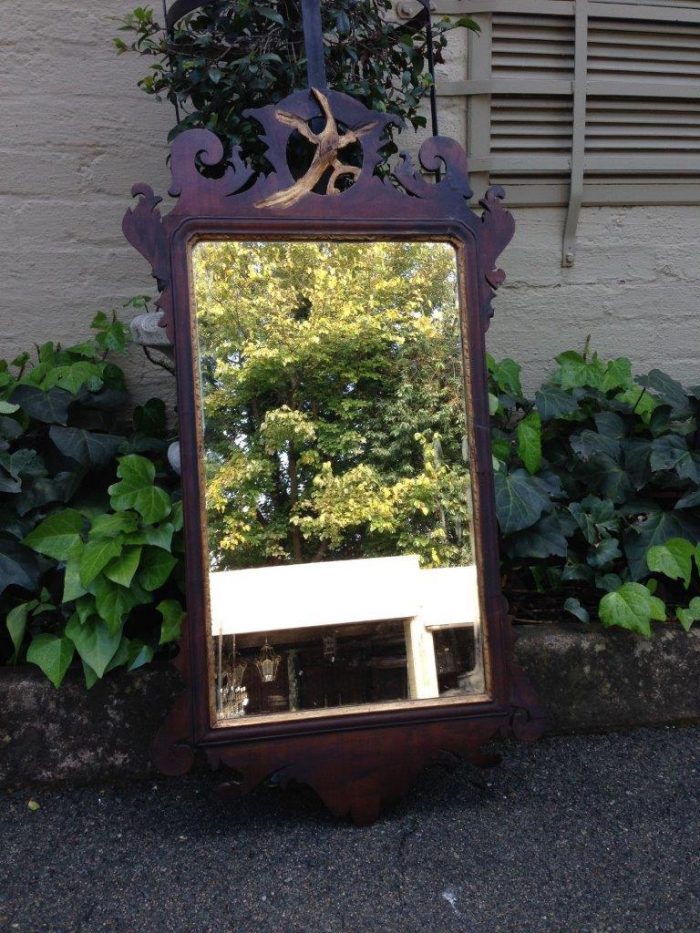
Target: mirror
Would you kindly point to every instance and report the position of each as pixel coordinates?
(342, 574)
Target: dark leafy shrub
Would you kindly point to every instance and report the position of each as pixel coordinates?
(88, 516)
(227, 57)
(598, 488)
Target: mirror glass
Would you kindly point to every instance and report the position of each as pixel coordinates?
(338, 492)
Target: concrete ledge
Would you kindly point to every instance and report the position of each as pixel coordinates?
(587, 680)
(50, 736)
(592, 680)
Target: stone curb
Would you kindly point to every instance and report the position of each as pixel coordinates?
(587, 680)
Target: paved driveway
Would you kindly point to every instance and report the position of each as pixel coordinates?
(595, 833)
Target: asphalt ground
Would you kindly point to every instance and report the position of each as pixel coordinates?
(588, 833)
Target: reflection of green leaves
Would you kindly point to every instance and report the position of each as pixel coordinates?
(137, 490)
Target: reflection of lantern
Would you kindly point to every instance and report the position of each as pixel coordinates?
(446, 663)
(238, 672)
(267, 663)
(330, 646)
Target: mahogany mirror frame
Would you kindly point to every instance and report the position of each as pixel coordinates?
(355, 761)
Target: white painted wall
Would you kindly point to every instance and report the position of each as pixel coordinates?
(76, 132)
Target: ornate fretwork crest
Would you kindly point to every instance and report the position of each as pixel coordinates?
(346, 141)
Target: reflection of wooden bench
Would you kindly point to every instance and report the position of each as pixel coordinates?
(337, 593)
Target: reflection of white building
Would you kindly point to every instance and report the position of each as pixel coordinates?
(336, 593)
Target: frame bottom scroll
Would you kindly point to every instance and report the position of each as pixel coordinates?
(355, 773)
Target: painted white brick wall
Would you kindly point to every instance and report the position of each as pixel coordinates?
(77, 133)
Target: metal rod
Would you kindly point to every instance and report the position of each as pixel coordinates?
(313, 44)
(431, 68)
(220, 675)
(169, 34)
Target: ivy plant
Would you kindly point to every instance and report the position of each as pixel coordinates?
(88, 518)
(597, 481)
(113, 561)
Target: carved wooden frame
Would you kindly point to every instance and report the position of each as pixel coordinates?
(358, 761)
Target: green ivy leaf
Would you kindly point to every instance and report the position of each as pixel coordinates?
(95, 557)
(111, 525)
(86, 607)
(529, 435)
(139, 654)
(73, 377)
(123, 568)
(546, 538)
(506, 373)
(52, 654)
(137, 491)
(603, 553)
(160, 536)
(692, 614)
(72, 587)
(95, 642)
(113, 602)
(689, 501)
(657, 609)
(656, 529)
(16, 622)
(87, 448)
(172, 614)
(57, 534)
(121, 656)
(18, 566)
(151, 418)
(629, 608)
(573, 605)
(610, 581)
(617, 375)
(58, 488)
(156, 567)
(90, 676)
(553, 402)
(669, 390)
(519, 501)
(670, 452)
(673, 559)
(50, 407)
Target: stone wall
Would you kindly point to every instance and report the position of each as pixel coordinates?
(77, 132)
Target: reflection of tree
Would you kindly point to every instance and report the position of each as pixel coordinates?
(333, 402)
